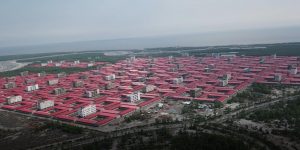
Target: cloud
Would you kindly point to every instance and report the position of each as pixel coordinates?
(35, 21)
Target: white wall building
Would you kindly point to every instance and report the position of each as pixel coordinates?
(87, 110)
(134, 97)
(32, 88)
(223, 82)
(177, 80)
(45, 104)
(52, 82)
(9, 85)
(90, 64)
(57, 64)
(227, 76)
(93, 93)
(76, 62)
(13, 99)
(148, 88)
(277, 77)
(44, 64)
(293, 71)
(110, 77)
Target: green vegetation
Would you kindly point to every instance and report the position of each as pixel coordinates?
(288, 114)
(282, 49)
(91, 56)
(60, 126)
(137, 116)
(218, 104)
(24, 56)
(164, 139)
(188, 109)
(103, 145)
(50, 70)
(289, 111)
(261, 88)
(205, 141)
(255, 93)
(245, 95)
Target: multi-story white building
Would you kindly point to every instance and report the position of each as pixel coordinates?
(76, 62)
(61, 75)
(277, 77)
(90, 64)
(293, 70)
(211, 66)
(247, 70)
(57, 64)
(227, 76)
(148, 88)
(87, 110)
(9, 85)
(13, 99)
(32, 88)
(45, 104)
(136, 96)
(41, 74)
(52, 82)
(223, 82)
(59, 91)
(177, 80)
(77, 84)
(93, 93)
(44, 64)
(110, 77)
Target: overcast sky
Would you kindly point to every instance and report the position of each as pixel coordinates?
(26, 22)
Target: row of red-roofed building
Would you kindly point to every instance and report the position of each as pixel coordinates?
(100, 96)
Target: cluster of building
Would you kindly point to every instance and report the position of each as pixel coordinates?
(98, 97)
(66, 64)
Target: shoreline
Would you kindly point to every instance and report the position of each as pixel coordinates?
(11, 65)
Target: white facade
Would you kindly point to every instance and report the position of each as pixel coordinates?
(61, 75)
(9, 85)
(76, 62)
(132, 58)
(13, 99)
(247, 69)
(227, 76)
(134, 97)
(177, 80)
(90, 64)
(211, 66)
(57, 64)
(44, 64)
(41, 74)
(52, 82)
(223, 82)
(277, 77)
(293, 71)
(110, 77)
(91, 94)
(45, 104)
(149, 88)
(87, 110)
(32, 88)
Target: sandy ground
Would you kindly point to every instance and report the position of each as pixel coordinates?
(116, 53)
(10, 65)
